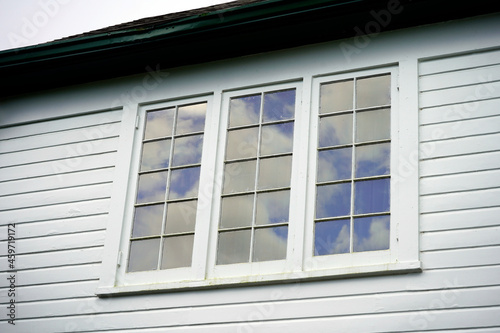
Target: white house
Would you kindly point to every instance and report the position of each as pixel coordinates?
(256, 166)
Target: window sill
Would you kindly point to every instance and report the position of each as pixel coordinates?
(239, 281)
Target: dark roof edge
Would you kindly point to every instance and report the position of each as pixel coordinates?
(248, 26)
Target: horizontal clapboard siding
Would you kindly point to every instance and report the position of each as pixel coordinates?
(460, 174)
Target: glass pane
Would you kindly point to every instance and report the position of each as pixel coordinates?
(372, 196)
(181, 216)
(371, 233)
(191, 118)
(373, 160)
(155, 155)
(270, 244)
(373, 91)
(159, 124)
(187, 150)
(334, 164)
(237, 211)
(143, 255)
(335, 130)
(184, 183)
(279, 105)
(333, 200)
(177, 252)
(332, 237)
(336, 96)
(242, 143)
(244, 111)
(373, 125)
(277, 139)
(272, 207)
(152, 187)
(275, 172)
(239, 177)
(147, 221)
(234, 247)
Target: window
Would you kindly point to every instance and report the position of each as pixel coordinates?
(273, 182)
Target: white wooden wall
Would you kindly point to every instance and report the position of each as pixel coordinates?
(56, 179)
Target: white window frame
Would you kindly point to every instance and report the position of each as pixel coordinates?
(403, 255)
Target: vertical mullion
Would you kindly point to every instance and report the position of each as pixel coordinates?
(257, 165)
(167, 188)
(353, 167)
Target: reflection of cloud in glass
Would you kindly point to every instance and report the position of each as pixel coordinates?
(191, 118)
(152, 187)
(177, 251)
(334, 164)
(371, 233)
(277, 139)
(181, 216)
(237, 211)
(270, 243)
(239, 177)
(333, 200)
(233, 247)
(373, 125)
(373, 91)
(275, 172)
(184, 183)
(244, 110)
(373, 160)
(331, 237)
(335, 130)
(272, 207)
(336, 96)
(155, 155)
(143, 255)
(159, 124)
(242, 143)
(187, 150)
(147, 220)
(279, 105)
(371, 196)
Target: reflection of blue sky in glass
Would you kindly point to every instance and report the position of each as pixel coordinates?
(336, 96)
(242, 143)
(159, 123)
(277, 139)
(191, 118)
(335, 130)
(187, 150)
(373, 160)
(373, 91)
(270, 243)
(279, 105)
(333, 200)
(152, 187)
(371, 233)
(272, 207)
(372, 196)
(147, 220)
(244, 110)
(184, 183)
(143, 255)
(334, 164)
(155, 155)
(331, 237)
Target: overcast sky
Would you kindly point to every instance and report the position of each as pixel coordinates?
(30, 22)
